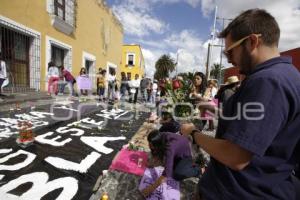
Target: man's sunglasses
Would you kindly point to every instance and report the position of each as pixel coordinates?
(227, 52)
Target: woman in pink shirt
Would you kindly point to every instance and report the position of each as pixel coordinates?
(53, 78)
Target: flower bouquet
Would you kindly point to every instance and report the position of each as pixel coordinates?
(178, 99)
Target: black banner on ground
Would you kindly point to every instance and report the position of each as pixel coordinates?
(67, 156)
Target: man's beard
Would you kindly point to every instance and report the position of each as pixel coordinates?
(246, 63)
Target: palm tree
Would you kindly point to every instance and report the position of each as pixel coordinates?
(164, 65)
(216, 71)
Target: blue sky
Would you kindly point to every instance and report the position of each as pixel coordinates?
(183, 27)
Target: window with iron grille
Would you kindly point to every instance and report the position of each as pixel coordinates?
(57, 55)
(20, 49)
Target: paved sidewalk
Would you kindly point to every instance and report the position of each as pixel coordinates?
(23, 97)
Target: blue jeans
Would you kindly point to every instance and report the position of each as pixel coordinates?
(62, 86)
(101, 91)
(123, 91)
(111, 91)
(143, 94)
(1, 82)
(185, 168)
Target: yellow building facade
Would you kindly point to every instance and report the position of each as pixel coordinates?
(73, 33)
(132, 61)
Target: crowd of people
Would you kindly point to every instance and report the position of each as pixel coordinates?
(108, 87)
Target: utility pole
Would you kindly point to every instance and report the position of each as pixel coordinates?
(176, 61)
(221, 52)
(207, 74)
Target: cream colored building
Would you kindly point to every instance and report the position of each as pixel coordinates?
(73, 33)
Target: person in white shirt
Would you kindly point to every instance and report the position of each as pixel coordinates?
(134, 88)
(53, 78)
(117, 96)
(111, 78)
(3, 74)
(154, 91)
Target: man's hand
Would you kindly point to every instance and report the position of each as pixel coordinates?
(187, 128)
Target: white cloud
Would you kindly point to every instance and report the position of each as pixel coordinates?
(137, 20)
(185, 39)
(156, 44)
(191, 51)
(193, 3)
(207, 7)
(151, 56)
(287, 14)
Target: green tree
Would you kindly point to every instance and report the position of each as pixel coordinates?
(217, 72)
(187, 75)
(164, 65)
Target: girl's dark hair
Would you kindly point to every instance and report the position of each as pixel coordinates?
(159, 143)
(50, 64)
(123, 76)
(82, 70)
(103, 71)
(203, 85)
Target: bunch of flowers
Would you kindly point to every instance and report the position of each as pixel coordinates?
(178, 97)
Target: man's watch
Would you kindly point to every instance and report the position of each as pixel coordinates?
(193, 134)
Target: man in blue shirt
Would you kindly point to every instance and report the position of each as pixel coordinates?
(257, 142)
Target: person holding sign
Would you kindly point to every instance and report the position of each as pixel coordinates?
(84, 83)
